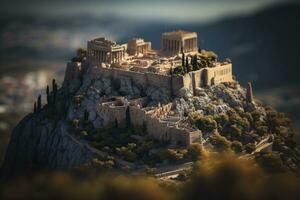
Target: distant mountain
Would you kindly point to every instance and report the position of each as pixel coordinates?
(264, 47)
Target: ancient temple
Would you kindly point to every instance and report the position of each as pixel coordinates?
(102, 50)
(173, 42)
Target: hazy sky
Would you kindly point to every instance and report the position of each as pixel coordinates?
(168, 10)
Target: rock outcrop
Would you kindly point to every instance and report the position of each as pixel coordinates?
(43, 144)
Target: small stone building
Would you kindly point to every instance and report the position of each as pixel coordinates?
(138, 46)
(155, 120)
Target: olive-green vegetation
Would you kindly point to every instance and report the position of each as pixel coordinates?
(270, 161)
(119, 142)
(217, 176)
(196, 152)
(220, 142)
(196, 62)
(204, 123)
(240, 131)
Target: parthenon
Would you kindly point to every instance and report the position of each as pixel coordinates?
(173, 42)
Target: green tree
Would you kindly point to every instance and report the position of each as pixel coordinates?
(172, 155)
(270, 161)
(206, 124)
(222, 119)
(236, 146)
(219, 142)
(235, 132)
(195, 151)
(250, 148)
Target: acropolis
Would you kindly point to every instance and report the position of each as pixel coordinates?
(179, 67)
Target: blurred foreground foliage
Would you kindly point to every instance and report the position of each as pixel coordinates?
(215, 176)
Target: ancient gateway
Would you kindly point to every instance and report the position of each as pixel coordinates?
(145, 67)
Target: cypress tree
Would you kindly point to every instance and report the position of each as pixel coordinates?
(54, 88)
(186, 64)
(183, 57)
(47, 90)
(39, 103)
(116, 123)
(128, 119)
(34, 107)
(194, 63)
(53, 84)
(86, 115)
(48, 94)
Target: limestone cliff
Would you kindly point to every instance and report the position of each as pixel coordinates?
(43, 144)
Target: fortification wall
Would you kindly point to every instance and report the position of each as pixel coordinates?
(137, 77)
(188, 81)
(137, 116)
(171, 84)
(203, 77)
(176, 135)
(111, 114)
(219, 74)
(177, 84)
(142, 79)
(159, 80)
(119, 114)
(197, 78)
(156, 128)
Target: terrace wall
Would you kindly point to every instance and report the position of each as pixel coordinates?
(172, 84)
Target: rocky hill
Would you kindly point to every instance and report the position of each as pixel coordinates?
(69, 131)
